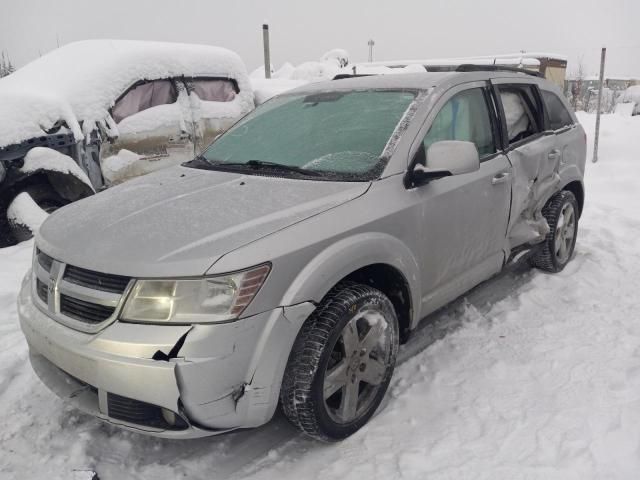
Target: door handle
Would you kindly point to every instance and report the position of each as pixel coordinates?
(500, 178)
(553, 154)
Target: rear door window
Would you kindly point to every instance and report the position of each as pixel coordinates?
(143, 96)
(214, 89)
(464, 117)
(559, 116)
(522, 112)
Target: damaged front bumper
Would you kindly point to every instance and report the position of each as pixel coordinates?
(205, 379)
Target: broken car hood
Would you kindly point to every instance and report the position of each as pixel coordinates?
(179, 221)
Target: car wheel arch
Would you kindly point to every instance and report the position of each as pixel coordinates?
(577, 188)
(368, 258)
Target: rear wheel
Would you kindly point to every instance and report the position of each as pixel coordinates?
(45, 198)
(341, 363)
(561, 213)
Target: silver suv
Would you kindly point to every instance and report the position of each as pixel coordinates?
(288, 261)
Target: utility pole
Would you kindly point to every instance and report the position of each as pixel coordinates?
(595, 144)
(267, 53)
(371, 43)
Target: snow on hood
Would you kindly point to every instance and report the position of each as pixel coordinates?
(179, 221)
(81, 81)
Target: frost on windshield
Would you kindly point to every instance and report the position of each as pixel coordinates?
(403, 124)
(338, 132)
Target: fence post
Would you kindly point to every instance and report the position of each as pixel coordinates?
(595, 144)
(267, 53)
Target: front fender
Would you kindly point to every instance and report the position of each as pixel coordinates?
(346, 256)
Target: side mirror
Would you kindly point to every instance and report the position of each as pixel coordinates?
(443, 159)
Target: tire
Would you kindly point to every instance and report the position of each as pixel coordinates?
(561, 213)
(328, 355)
(46, 198)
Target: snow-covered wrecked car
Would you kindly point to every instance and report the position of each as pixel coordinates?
(629, 101)
(286, 263)
(96, 112)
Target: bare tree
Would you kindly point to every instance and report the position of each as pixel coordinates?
(577, 88)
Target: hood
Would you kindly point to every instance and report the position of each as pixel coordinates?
(180, 221)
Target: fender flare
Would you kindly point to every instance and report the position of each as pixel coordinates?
(344, 257)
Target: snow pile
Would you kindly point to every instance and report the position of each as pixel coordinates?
(116, 167)
(631, 94)
(23, 210)
(629, 101)
(259, 72)
(529, 376)
(284, 72)
(79, 82)
(625, 109)
(330, 64)
(338, 56)
(316, 71)
(289, 76)
(266, 88)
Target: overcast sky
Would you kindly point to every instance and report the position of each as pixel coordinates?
(302, 30)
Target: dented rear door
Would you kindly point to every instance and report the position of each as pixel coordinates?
(534, 157)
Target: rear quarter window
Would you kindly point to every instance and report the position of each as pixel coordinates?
(214, 89)
(558, 114)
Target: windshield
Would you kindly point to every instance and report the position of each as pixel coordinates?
(336, 135)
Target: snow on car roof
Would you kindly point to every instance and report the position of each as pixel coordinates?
(80, 81)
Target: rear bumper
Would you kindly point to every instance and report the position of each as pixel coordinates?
(225, 376)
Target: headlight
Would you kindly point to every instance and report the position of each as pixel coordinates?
(202, 300)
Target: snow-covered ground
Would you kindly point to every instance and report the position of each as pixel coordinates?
(530, 376)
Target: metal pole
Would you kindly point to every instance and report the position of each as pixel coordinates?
(267, 54)
(595, 144)
(371, 43)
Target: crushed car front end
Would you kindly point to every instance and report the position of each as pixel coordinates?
(174, 380)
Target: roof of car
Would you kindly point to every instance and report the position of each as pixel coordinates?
(418, 81)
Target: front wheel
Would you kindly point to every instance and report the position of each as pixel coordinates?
(341, 363)
(561, 213)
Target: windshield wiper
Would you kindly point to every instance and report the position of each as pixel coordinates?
(202, 162)
(264, 165)
(278, 166)
(199, 161)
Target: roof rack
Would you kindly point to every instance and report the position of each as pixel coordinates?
(342, 76)
(470, 67)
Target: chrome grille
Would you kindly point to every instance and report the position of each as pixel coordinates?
(99, 281)
(44, 260)
(76, 297)
(84, 311)
(41, 288)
